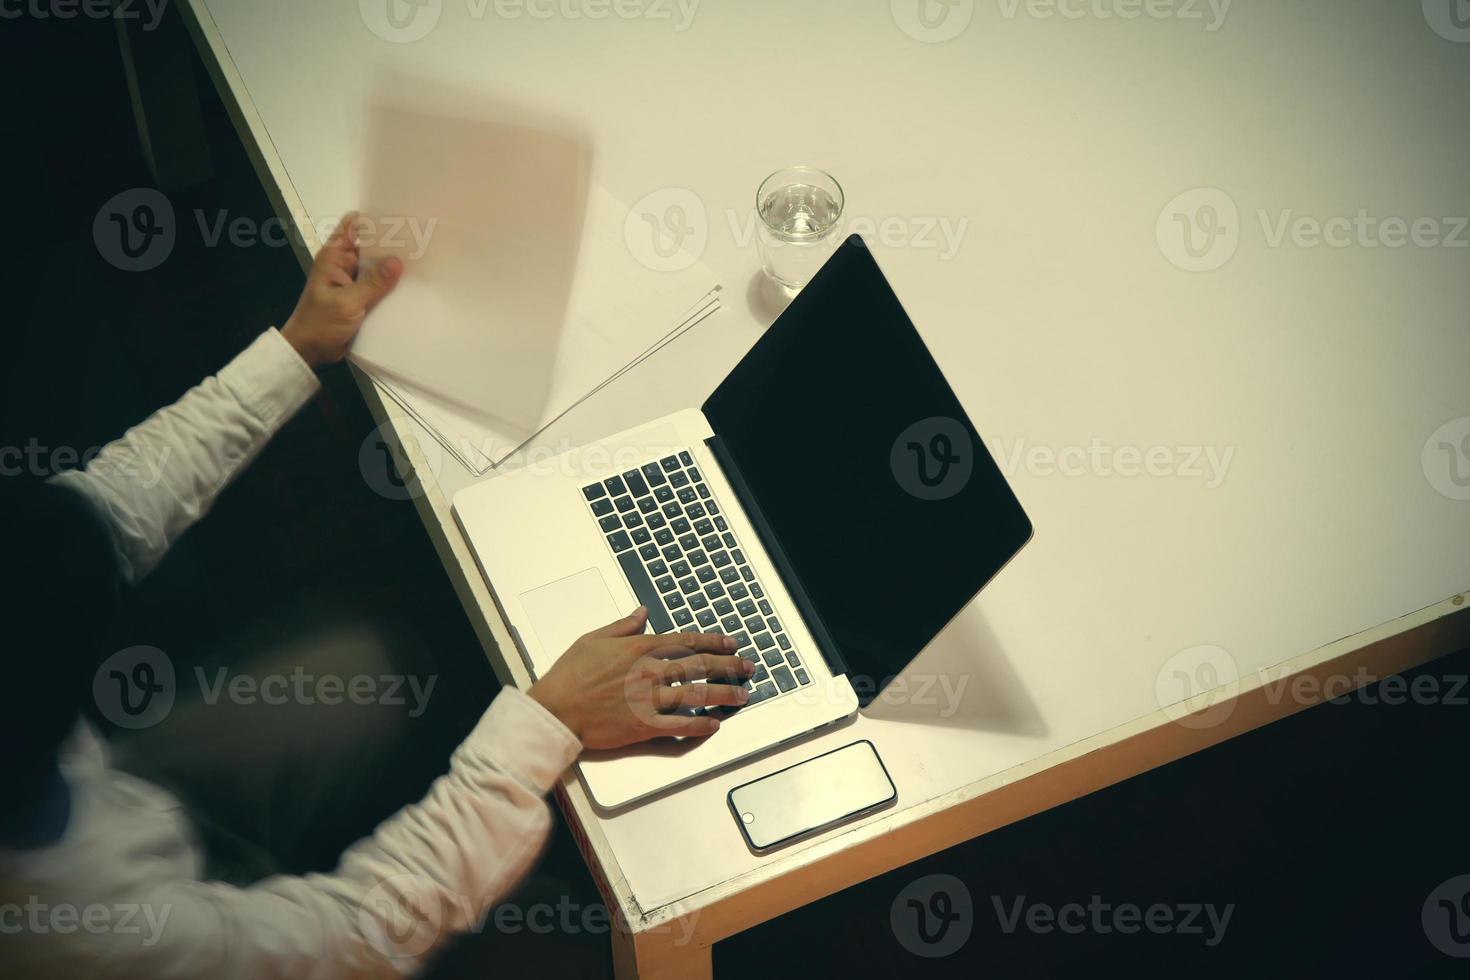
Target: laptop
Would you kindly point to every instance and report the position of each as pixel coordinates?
(831, 506)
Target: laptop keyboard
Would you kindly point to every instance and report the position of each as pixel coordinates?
(667, 531)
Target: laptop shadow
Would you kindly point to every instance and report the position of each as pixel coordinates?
(962, 680)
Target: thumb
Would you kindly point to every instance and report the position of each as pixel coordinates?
(630, 625)
(378, 281)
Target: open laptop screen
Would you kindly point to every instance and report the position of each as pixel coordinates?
(875, 492)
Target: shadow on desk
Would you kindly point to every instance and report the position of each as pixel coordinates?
(963, 680)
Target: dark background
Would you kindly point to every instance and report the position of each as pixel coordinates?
(1327, 830)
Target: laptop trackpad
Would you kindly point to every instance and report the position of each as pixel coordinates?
(566, 610)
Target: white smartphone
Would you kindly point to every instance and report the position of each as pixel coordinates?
(803, 800)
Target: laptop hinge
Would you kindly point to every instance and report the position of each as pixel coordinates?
(827, 646)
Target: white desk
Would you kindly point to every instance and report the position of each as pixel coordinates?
(1052, 145)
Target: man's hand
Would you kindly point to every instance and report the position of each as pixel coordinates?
(613, 687)
(335, 301)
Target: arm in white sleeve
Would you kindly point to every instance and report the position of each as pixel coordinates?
(164, 474)
(430, 871)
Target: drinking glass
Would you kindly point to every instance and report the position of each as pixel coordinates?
(800, 211)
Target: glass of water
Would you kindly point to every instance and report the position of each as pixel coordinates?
(800, 211)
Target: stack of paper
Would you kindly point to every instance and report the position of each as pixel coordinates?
(522, 294)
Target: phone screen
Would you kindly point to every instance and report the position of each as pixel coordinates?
(812, 796)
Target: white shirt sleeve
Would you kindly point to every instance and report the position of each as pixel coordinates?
(164, 474)
(434, 869)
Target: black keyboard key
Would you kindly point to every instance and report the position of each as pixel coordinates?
(774, 658)
(658, 620)
(705, 572)
(703, 527)
(783, 679)
(657, 567)
(742, 640)
(714, 590)
(739, 556)
(801, 679)
(688, 585)
(730, 624)
(696, 510)
(763, 641)
(677, 480)
(663, 495)
(793, 659)
(625, 504)
(602, 507)
(720, 524)
(680, 569)
(610, 524)
(648, 552)
(646, 505)
(636, 485)
(686, 459)
(704, 491)
(761, 675)
(674, 600)
(653, 474)
(724, 607)
(766, 609)
(694, 473)
(669, 463)
(697, 557)
(663, 536)
(761, 692)
(615, 486)
(757, 591)
(711, 541)
(729, 539)
(710, 506)
(738, 591)
(698, 601)
(665, 584)
(720, 558)
(747, 573)
(686, 496)
(689, 542)
(754, 625)
(620, 541)
(683, 617)
(672, 509)
(746, 608)
(657, 520)
(593, 492)
(641, 536)
(680, 525)
(632, 520)
(706, 618)
(728, 575)
(672, 553)
(785, 641)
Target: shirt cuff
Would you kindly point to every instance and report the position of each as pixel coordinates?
(271, 378)
(524, 739)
